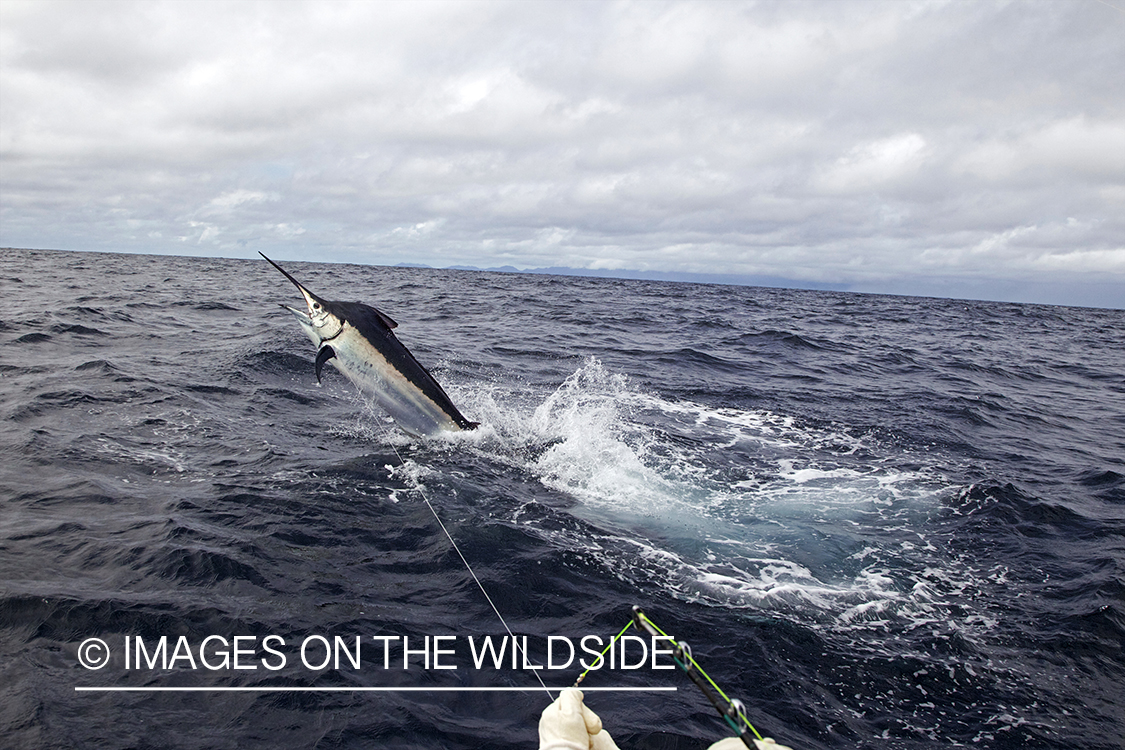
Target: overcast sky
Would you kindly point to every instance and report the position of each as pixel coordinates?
(963, 149)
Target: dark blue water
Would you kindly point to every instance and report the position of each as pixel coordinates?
(881, 522)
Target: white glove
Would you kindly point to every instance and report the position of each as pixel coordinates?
(567, 724)
(734, 743)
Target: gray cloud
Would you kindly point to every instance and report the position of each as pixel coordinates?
(922, 147)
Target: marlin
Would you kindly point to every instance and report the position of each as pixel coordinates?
(358, 340)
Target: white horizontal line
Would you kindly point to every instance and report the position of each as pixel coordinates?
(113, 689)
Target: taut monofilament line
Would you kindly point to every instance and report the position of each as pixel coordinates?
(515, 642)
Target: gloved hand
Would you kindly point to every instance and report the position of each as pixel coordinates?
(567, 724)
(733, 743)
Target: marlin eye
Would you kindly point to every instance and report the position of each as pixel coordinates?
(316, 306)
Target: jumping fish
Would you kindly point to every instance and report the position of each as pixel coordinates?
(357, 339)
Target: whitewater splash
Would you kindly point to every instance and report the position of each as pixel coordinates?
(730, 507)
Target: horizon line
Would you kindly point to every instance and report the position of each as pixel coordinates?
(376, 689)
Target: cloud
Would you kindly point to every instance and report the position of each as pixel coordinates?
(1073, 148)
(230, 200)
(874, 164)
(822, 141)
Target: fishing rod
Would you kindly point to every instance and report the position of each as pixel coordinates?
(731, 709)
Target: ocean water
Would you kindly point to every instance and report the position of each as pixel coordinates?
(881, 522)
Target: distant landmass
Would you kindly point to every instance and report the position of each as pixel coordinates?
(696, 278)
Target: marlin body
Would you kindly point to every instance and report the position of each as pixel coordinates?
(357, 339)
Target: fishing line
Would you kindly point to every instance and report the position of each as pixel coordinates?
(418, 489)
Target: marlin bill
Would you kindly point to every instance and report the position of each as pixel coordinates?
(359, 342)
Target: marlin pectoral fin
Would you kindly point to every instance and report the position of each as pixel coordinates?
(326, 353)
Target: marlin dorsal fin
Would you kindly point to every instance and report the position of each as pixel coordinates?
(385, 318)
